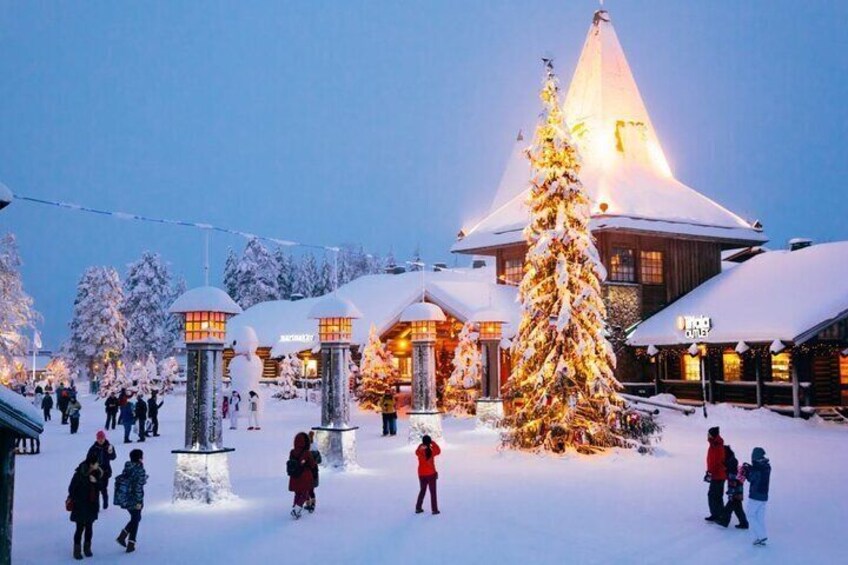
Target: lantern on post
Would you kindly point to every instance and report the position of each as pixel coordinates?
(202, 472)
(424, 418)
(335, 437)
(490, 410)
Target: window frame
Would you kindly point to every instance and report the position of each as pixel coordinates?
(687, 362)
(736, 359)
(622, 273)
(775, 364)
(656, 267)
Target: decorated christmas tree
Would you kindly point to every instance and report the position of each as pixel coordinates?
(140, 379)
(562, 388)
(462, 387)
(378, 372)
(113, 382)
(289, 371)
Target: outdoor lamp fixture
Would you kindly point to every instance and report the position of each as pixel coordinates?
(202, 473)
(490, 410)
(424, 418)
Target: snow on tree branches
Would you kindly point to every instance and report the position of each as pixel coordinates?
(289, 370)
(147, 297)
(562, 386)
(256, 275)
(378, 372)
(169, 371)
(16, 312)
(463, 386)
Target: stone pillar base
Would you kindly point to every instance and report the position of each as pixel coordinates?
(424, 423)
(337, 447)
(202, 476)
(490, 412)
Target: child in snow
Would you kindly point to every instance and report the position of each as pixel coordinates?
(715, 475)
(253, 411)
(129, 495)
(758, 474)
(316, 456)
(735, 492)
(235, 400)
(388, 408)
(301, 471)
(73, 412)
(427, 475)
(83, 503)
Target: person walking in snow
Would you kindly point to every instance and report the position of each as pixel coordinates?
(225, 407)
(141, 417)
(63, 398)
(312, 502)
(388, 409)
(427, 475)
(127, 418)
(301, 471)
(758, 474)
(111, 412)
(235, 400)
(73, 413)
(253, 411)
(129, 495)
(715, 475)
(105, 453)
(47, 406)
(735, 492)
(153, 406)
(83, 503)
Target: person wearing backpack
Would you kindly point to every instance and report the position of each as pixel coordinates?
(427, 475)
(83, 503)
(316, 456)
(301, 471)
(105, 453)
(129, 495)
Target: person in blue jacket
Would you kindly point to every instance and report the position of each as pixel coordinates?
(127, 419)
(758, 474)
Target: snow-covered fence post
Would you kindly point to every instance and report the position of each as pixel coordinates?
(202, 472)
(490, 410)
(335, 437)
(424, 418)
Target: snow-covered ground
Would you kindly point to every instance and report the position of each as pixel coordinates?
(497, 506)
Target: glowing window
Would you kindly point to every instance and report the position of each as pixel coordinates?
(622, 265)
(843, 370)
(651, 267)
(780, 367)
(513, 271)
(732, 366)
(691, 368)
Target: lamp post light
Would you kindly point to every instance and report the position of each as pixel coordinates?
(202, 472)
(490, 409)
(335, 437)
(424, 418)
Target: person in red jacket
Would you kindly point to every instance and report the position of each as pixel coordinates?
(427, 475)
(301, 469)
(716, 475)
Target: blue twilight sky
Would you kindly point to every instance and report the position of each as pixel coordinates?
(382, 123)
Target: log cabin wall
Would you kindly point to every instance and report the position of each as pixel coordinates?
(269, 365)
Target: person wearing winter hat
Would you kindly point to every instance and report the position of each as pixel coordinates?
(105, 454)
(758, 474)
(735, 492)
(716, 474)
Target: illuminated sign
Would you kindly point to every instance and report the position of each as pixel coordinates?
(695, 327)
(299, 338)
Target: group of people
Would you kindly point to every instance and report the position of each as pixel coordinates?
(231, 408)
(90, 483)
(722, 466)
(138, 412)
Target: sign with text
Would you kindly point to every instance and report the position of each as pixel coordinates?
(695, 327)
(299, 338)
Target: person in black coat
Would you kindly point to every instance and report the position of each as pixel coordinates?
(83, 501)
(735, 492)
(47, 406)
(153, 406)
(141, 416)
(105, 453)
(111, 412)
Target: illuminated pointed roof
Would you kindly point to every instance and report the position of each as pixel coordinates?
(625, 170)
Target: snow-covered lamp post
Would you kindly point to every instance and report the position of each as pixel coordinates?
(202, 472)
(424, 418)
(490, 409)
(335, 437)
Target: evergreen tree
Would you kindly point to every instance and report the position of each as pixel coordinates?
(389, 262)
(286, 273)
(416, 261)
(288, 372)
(175, 323)
(231, 282)
(257, 275)
(307, 282)
(562, 385)
(463, 386)
(326, 276)
(16, 313)
(147, 297)
(97, 329)
(378, 372)
(113, 381)
(169, 371)
(375, 265)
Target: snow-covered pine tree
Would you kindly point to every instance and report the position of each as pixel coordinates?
(286, 273)
(230, 279)
(389, 262)
(57, 371)
(147, 297)
(257, 275)
(415, 260)
(288, 372)
(175, 323)
(97, 327)
(139, 378)
(378, 372)
(151, 370)
(463, 386)
(169, 370)
(326, 276)
(374, 265)
(113, 381)
(562, 386)
(307, 280)
(17, 316)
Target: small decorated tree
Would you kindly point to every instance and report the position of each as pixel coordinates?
(462, 387)
(378, 372)
(113, 382)
(289, 371)
(169, 370)
(57, 371)
(140, 379)
(151, 371)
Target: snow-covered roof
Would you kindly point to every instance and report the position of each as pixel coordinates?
(286, 326)
(18, 413)
(422, 312)
(334, 306)
(787, 296)
(625, 171)
(205, 299)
